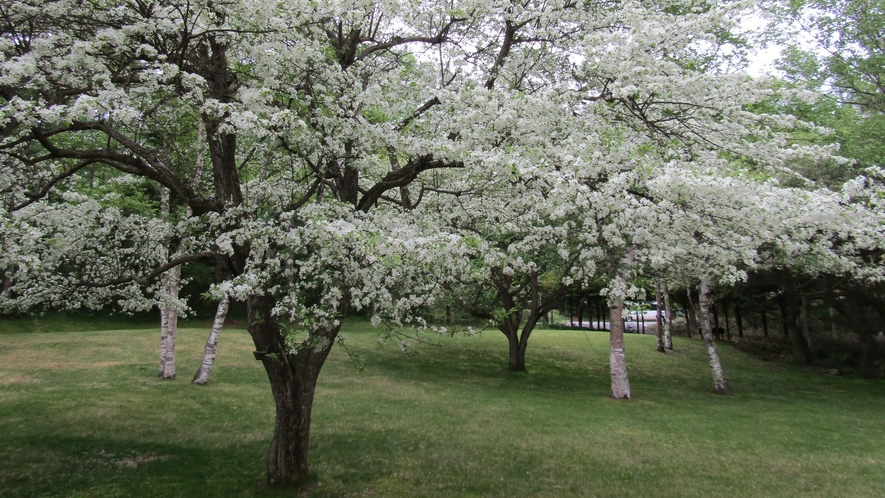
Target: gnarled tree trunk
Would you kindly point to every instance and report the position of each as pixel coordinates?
(293, 377)
(720, 386)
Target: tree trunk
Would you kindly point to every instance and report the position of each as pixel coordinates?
(805, 319)
(170, 284)
(720, 386)
(292, 377)
(580, 312)
(739, 321)
(784, 320)
(764, 324)
(691, 319)
(727, 326)
(796, 318)
(202, 375)
(516, 361)
(659, 331)
(833, 330)
(617, 358)
(668, 323)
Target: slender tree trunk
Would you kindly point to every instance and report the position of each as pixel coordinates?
(739, 321)
(202, 375)
(805, 319)
(292, 377)
(727, 326)
(571, 315)
(668, 322)
(659, 331)
(580, 312)
(448, 315)
(691, 319)
(784, 320)
(164, 340)
(833, 330)
(764, 324)
(172, 282)
(168, 294)
(617, 358)
(715, 318)
(796, 318)
(720, 386)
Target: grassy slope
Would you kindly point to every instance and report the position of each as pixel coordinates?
(81, 414)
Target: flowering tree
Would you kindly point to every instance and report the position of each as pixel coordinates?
(334, 134)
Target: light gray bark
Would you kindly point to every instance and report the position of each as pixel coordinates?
(168, 313)
(659, 326)
(720, 386)
(668, 322)
(617, 358)
(202, 375)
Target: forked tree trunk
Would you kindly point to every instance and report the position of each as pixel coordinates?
(720, 386)
(202, 375)
(659, 331)
(668, 322)
(617, 357)
(516, 361)
(293, 377)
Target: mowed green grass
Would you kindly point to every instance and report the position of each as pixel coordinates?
(82, 414)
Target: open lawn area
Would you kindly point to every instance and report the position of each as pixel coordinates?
(82, 414)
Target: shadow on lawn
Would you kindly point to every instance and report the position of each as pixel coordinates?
(53, 466)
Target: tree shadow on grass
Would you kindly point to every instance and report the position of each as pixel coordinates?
(44, 466)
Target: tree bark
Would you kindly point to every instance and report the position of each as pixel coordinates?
(659, 332)
(202, 375)
(169, 323)
(668, 322)
(739, 321)
(691, 320)
(781, 302)
(617, 358)
(833, 330)
(805, 318)
(168, 293)
(720, 386)
(292, 377)
(764, 324)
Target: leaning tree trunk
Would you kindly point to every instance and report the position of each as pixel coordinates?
(293, 377)
(720, 386)
(617, 358)
(668, 323)
(202, 375)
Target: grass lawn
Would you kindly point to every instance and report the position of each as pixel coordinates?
(82, 414)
